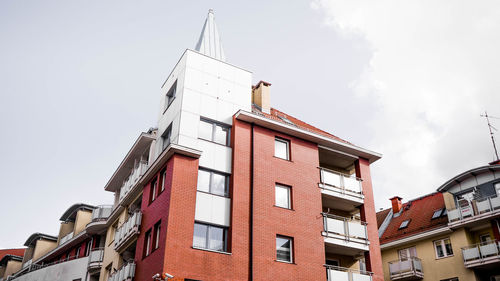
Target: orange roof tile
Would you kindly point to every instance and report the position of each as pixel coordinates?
(14, 252)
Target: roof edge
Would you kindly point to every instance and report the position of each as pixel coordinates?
(444, 187)
(38, 235)
(75, 208)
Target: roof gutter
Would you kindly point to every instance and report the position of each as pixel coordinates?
(307, 135)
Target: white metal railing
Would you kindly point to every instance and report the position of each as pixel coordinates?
(346, 228)
(66, 238)
(128, 228)
(95, 257)
(101, 212)
(125, 273)
(132, 179)
(337, 273)
(481, 251)
(406, 268)
(483, 205)
(340, 181)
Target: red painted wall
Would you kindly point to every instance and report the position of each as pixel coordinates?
(373, 257)
(151, 214)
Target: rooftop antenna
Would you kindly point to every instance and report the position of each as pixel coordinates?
(491, 131)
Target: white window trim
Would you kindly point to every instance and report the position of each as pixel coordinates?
(287, 142)
(291, 248)
(443, 245)
(289, 189)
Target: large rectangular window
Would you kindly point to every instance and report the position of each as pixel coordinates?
(147, 243)
(156, 235)
(170, 96)
(213, 182)
(282, 148)
(407, 253)
(443, 248)
(166, 137)
(282, 196)
(153, 190)
(284, 248)
(213, 131)
(163, 180)
(210, 237)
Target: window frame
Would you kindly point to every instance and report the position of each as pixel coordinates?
(170, 95)
(156, 236)
(406, 224)
(211, 179)
(216, 124)
(278, 236)
(147, 244)
(163, 178)
(408, 251)
(153, 189)
(165, 142)
(77, 252)
(443, 245)
(289, 194)
(207, 237)
(287, 143)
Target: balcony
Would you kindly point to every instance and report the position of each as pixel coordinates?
(28, 263)
(66, 238)
(343, 191)
(344, 236)
(133, 178)
(98, 219)
(95, 260)
(127, 231)
(337, 273)
(474, 211)
(410, 269)
(125, 273)
(482, 255)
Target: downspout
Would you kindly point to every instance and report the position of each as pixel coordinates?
(250, 273)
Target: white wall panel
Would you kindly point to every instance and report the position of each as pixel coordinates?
(189, 124)
(66, 271)
(215, 156)
(212, 209)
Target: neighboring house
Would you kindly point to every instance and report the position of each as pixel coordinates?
(225, 188)
(75, 254)
(10, 262)
(430, 238)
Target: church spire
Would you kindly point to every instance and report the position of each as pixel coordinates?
(210, 43)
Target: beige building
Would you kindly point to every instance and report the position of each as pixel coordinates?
(449, 235)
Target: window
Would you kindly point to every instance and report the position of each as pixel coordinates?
(437, 213)
(404, 224)
(215, 132)
(210, 237)
(282, 148)
(154, 190)
(485, 239)
(284, 248)
(362, 265)
(443, 248)
(156, 239)
(169, 98)
(88, 248)
(147, 243)
(407, 253)
(282, 196)
(213, 182)
(166, 137)
(163, 178)
(78, 251)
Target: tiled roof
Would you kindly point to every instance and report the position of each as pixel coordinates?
(419, 211)
(14, 252)
(282, 117)
(381, 216)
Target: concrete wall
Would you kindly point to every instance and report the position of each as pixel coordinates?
(42, 247)
(66, 271)
(83, 217)
(434, 268)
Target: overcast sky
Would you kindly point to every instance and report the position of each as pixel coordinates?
(79, 80)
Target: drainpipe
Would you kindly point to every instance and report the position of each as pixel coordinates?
(250, 272)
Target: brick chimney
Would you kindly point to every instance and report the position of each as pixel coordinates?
(261, 96)
(396, 204)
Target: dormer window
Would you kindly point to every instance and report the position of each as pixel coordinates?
(404, 224)
(438, 213)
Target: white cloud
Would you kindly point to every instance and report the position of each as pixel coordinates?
(435, 67)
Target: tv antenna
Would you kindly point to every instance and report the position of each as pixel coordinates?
(485, 115)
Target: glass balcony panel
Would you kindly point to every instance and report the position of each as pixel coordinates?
(417, 264)
(489, 249)
(331, 178)
(483, 206)
(335, 226)
(360, 277)
(357, 230)
(352, 184)
(337, 275)
(471, 253)
(495, 202)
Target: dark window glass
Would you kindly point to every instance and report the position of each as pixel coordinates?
(169, 98)
(284, 248)
(210, 237)
(213, 182)
(213, 131)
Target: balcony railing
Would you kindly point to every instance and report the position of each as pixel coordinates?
(28, 263)
(475, 208)
(95, 258)
(134, 177)
(344, 228)
(481, 253)
(101, 213)
(66, 238)
(337, 273)
(125, 273)
(409, 269)
(340, 182)
(128, 229)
